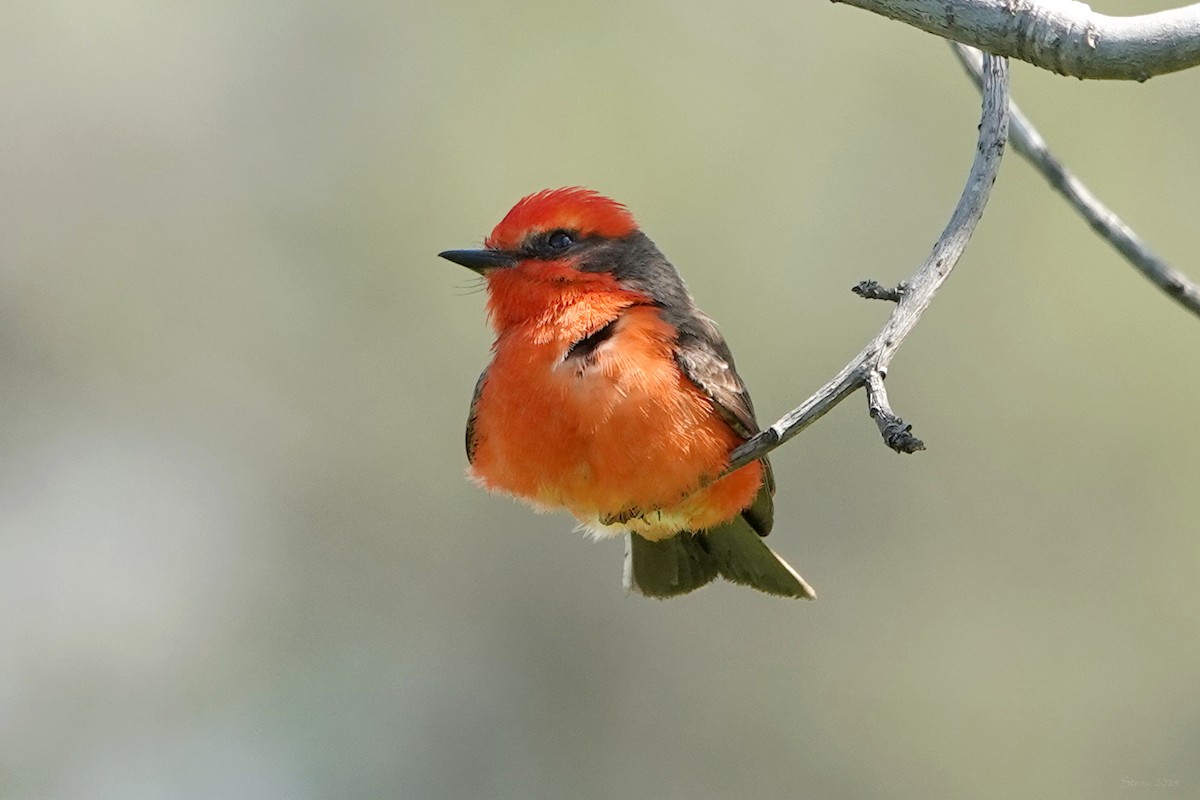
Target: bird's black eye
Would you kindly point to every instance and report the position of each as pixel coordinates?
(559, 240)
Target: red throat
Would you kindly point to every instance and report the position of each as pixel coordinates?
(552, 293)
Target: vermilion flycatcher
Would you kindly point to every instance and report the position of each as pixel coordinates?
(610, 394)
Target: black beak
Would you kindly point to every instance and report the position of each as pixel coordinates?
(481, 261)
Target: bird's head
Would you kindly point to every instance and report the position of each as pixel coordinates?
(560, 242)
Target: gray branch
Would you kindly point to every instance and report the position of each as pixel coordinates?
(1029, 143)
(1062, 36)
(869, 368)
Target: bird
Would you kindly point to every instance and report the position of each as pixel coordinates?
(611, 395)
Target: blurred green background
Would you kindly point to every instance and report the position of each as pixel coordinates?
(238, 554)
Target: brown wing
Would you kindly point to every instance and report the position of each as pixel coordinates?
(706, 360)
(471, 417)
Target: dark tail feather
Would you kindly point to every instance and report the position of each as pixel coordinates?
(743, 557)
(687, 561)
(669, 567)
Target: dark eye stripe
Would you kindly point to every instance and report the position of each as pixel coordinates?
(551, 244)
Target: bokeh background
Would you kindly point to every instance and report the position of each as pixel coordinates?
(238, 554)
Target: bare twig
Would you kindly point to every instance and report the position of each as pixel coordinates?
(1029, 143)
(870, 366)
(896, 434)
(1062, 36)
(874, 290)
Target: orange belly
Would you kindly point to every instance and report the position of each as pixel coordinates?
(621, 438)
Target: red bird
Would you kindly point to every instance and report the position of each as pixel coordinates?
(611, 395)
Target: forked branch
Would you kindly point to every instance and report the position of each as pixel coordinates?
(869, 368)
(1029, 143)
